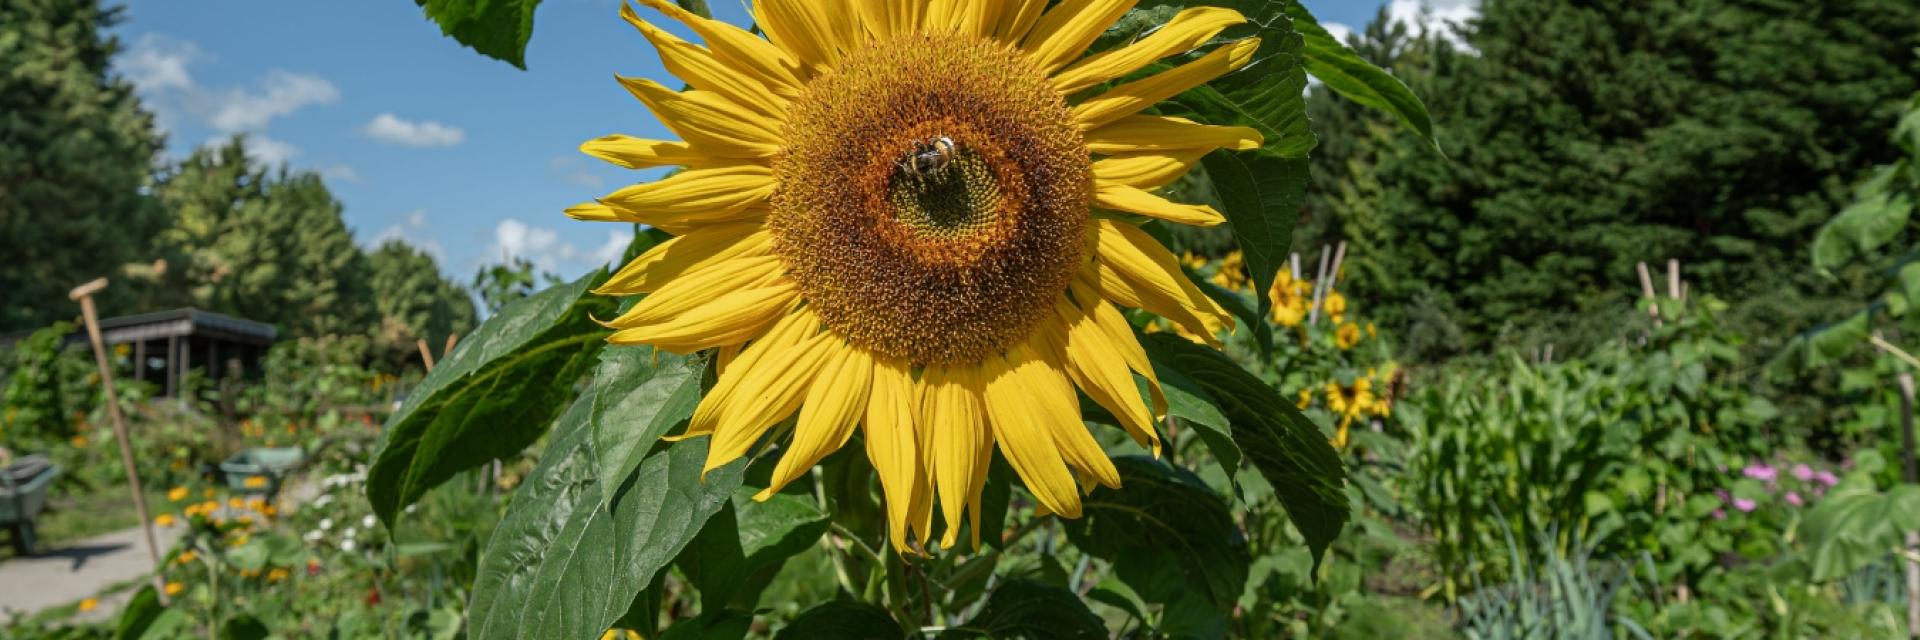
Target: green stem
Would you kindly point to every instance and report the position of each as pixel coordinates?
(698, 7)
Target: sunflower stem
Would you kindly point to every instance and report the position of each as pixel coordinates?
(697, 7)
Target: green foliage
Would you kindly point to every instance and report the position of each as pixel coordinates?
(414, 302)
(498, 29)
(502, 283)
(50, 388)
(74, 153)
(1345, 73)
(1857, 524)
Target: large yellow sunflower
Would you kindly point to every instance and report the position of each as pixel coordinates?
(886, 220)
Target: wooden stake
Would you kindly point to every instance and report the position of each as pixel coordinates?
(84, 294)
(1911, 473)
(424, 353)
(1333, 273)
(1673, 278)
(452, 340)
(1646, 291)
(1294, 259)
(1319, 287)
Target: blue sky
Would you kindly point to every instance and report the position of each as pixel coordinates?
(420, 138)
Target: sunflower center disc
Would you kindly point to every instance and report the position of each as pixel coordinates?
(933, 197)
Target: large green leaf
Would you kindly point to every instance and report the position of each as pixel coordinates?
(1190, 406)
(1855, 525)
(640, 393)
(1290, 452)
(1236, 304)
(840, 620)
(746, 538)
(1262, 195)
(491, 397)
(498, 29)
(1035, 610)
(566, 563)
(1166, 534)
(1341, 70)
(1877, 215)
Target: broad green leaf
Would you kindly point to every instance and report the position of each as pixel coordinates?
(1877, 215)
(1262, 195)
(1166, 534)
(566, 563)
(493, 396)
(1290, 452)
(1190, 405)
(639, 394)
(498, 29)
(139, 615)
(840, 620)
(1341, 70)
(1236, 304)
(723, 624)
(1837, 340)
(244, 627)
(745, 538)
(1267, 94)
(1028, 609)
(1855, 525)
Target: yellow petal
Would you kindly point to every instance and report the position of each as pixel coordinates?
(1042, 369)
(1018, 413)
(968, 17)
(696, 289)
(703, 70)
(955, 436)
(1120, 336)
(786, 334)
(768, 394)
(707, 192)
(1146, 170)
(639, 153)
(713, 123)
(1119, 197)
(1017, 19)
(893, 447)
(1097, 366)
(814, 31)
(827, 418)
(692, 252)
(1133, 269)
(739, 49)
(884, 18)
(731, 318)
(1064, 32)
(1130, 98)
(1186, 31)
(1162, 133)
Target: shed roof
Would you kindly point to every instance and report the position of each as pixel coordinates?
(185, 322)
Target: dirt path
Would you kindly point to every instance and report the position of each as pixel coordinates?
(67, 572)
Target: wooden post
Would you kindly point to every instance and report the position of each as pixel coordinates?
(1911, 474)
(173, 362)
(1294, 259)
(1319, 287)
(1673, 278)
(424, 353)
(1646, 291)
(453, 339)
(84, 294)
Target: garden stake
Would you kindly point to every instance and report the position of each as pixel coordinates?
(84, 294)
(1319, 287)
(1673, 278)
(1910, 474)
(1294, 259)
(424, 353)
(1646, 291)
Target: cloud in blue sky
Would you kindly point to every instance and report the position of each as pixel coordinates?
(387, 127)
(159, 68)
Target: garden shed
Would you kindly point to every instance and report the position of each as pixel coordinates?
(166, 344)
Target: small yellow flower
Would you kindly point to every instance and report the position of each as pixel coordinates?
(186, 557)
(249, 573)
(1371, 334)
(257, 503)
(1350, 401)
(238, 540)
(206, 492)
(1335, 305)
(89, 604)
(620, 634)
(235, 503)
(276, 575)
(1232, 273)
(244, 521)
(1346, 336)
(1306, 398)
(164, 520)
(174, 588)
(78, 442)
(177, 494)
(207, 508)
(255, 482)
(1290, 299)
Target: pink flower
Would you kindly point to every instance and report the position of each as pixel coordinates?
(1826, 478)
(1793, 498)
(1761, 472)
(1802, 472)
(1719, 514)
(1744, 505)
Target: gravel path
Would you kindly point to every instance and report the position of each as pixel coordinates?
(68, 572)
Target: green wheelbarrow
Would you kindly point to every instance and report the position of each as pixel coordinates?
(260, 470)
(23, 493)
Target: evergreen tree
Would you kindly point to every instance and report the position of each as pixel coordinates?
(75, 148)
(414, 302)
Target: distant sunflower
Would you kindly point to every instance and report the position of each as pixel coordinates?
(884, 221)
(1347, 335)
(1289, 297)
(1335, 306)
(1232, 273)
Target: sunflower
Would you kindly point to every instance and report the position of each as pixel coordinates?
(1289, 298)
(1306, 398)
(1335, 306)
(884, 221)
(1349, 402)
(1346, 336)
(1232, 274)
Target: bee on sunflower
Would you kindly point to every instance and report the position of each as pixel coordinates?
(885, 223)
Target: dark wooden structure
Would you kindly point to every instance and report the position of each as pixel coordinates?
(166, 344)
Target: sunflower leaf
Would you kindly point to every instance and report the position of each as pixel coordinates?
(498, 29)
(1236, 304)
(494, 395)
(1262, 195)
(842, 619)
(1029, 609)
(1343, 71)
(566, 563)
(1288, 449)
(1166, 534)
(640, 393)
(746, 538)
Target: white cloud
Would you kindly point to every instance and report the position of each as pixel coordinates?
(267, 151)
(1338, 31)
(544, 248)
(387, 127)
(412, 230)
(576, 171)
(157, 63)
(1434, 14)
(283, 93)
(340, 173)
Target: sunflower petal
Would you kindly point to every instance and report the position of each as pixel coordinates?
(1120, 336)
(769, 393)
(739, 48)
(1133, 269)
(1130, 98)
(704, 70)
(885, 18)
(639, 153)
(1162, 133)
(811, 30)
(713, 123)
(1017, 19)
(786, 334)
(692, 252)
(1119, 197)
(1065, 31)
(827, 418)
(694, 290)
(1184, 32)
(705, 192)
(967, 17)
(955, 434)
(1096, 366)
(1019, 414)
(731, 318)
(893, 447)
(1146, 170)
